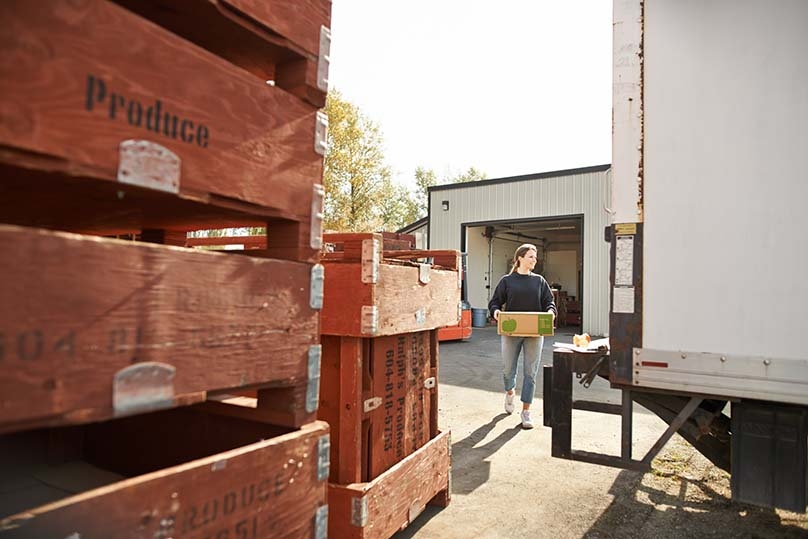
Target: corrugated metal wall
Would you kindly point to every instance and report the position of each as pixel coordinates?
(584, 192)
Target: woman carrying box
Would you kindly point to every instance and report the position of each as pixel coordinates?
(522, 290)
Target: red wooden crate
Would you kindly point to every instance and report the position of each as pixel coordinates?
(286, 41)
(461, 331)
(370, 291)
(380, 397)
(180, 473)
(377, 509)
(100, 137)
(92, 327)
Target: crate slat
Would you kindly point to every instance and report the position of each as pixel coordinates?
(380, 397)
(79, 314)
(245, 151)
(278, 40)
(178, 473)
(379, 508)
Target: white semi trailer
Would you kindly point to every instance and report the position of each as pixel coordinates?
(709, 277)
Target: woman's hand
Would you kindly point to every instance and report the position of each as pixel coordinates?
(496, 315)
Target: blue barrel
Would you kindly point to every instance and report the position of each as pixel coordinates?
(479, 318)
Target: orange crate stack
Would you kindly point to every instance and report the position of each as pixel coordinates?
(379, 391)
(148, 120)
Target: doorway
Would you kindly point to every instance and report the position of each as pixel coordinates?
(559, 241)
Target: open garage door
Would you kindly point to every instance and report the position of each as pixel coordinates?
(490, 247)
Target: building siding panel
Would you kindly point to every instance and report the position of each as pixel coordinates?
(585, 192)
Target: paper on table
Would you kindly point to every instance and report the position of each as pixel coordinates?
(598, 345)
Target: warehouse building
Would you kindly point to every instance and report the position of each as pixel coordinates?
(564, 213)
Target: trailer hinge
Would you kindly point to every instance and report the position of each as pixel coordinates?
(318, 195)
(313, 388)
(323, 457)
(370, 261)
(148, 164)
(321, 522)
(460, 311)
(371, 404)
(370, 319)
(324, 59)
(143, 387)
(359, 512)
(423, 273)
(316, 287)
(321, 133)
(430, 382)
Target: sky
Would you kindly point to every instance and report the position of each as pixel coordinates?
(509, 87)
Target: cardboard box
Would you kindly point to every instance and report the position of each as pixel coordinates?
(525, 324)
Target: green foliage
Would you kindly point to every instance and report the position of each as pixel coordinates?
(360, 194)
(397, 208)
(426, 178)
(471, 175)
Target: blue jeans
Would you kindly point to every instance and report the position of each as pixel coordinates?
(511, 347)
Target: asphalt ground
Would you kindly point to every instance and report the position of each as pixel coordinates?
(505, 484)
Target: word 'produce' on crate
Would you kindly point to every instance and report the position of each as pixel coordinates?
(181, 473)
(158, 134)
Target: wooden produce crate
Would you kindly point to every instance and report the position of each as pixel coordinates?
(180, 473)
(379, 508)
(92, 328)
(99, 137)
(460, 331)
(285, 41)
(371, 292)
(380, 396)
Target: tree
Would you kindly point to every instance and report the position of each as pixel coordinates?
(471, 175)
(358, 184)
(426, 178)
(397, 209)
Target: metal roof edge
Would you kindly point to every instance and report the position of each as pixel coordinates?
(412, 226)
(535, 176)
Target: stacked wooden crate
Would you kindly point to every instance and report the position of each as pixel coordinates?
(150, 119)
(379, 391)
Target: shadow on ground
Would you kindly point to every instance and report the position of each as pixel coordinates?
(672, 506)
(639, 510)
(470, 466)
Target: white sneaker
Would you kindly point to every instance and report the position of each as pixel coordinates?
(509, 402)
(527, 423)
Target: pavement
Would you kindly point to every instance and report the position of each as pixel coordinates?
(505, 484)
